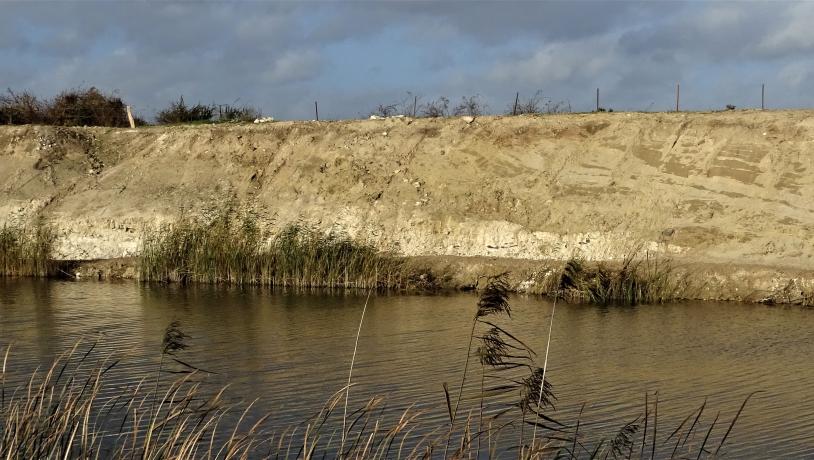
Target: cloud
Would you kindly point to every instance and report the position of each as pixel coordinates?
(295, 65)
(797, 74)
(795, 35)
(281, 56)
(559, 62)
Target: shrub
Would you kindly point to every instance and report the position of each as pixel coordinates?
(408, 107)
(436, 109)
(179, 112)
(471, 106)
(538, 104)
(88, 107)
(79, 107)
(20, 109)
(230, 113)
(385, 110)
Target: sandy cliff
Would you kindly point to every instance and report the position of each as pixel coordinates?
(733, 190)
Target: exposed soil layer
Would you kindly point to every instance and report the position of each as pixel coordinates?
(730, 194)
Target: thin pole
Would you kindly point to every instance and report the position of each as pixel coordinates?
(545, 367)
(678, 94)
(597, 99)
(316, 110)
(763, 96)
(415, 104)
(350, 374)
(130, 118)
(516, 100)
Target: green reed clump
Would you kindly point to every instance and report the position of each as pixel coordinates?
(634, 281)
(26, 250)
(233, 249)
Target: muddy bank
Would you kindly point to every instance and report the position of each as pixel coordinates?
(728, 193)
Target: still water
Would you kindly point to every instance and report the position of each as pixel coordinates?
(292, 351)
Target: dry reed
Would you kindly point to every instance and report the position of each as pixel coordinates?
(72, 410)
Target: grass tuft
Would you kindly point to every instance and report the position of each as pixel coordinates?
(25, 250)
(232, 249)
(635, 281)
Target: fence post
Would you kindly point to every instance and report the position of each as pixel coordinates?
(316, 110)
(415, 104)
(516, 100)
(678, 94)
(597, 99)
(763, 96)
(130, 118)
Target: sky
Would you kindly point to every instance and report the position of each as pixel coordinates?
(351, 56)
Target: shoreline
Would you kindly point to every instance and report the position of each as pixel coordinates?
(706, 282)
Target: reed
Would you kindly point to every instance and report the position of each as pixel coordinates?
(233, 249)
(26, 250)
(76, 409)
(636, 280)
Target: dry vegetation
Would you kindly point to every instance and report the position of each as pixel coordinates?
(79, 107)
(75, 410)
(637, 280)
(92, 107)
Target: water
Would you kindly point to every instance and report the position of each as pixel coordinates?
(293, 350)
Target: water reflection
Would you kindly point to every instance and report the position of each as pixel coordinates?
(292, 351)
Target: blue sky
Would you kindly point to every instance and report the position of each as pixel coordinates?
(353, 55)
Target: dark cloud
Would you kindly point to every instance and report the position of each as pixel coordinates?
(353, 55)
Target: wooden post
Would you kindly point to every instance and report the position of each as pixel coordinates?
(316, 110)
(130, 118)
(597, 99)
(516, 100)
(678, 95)
(415, 104)
(763, 96)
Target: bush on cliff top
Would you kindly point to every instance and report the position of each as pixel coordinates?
(78, 107)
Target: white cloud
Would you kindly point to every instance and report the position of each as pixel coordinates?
(793, 33)
(295, 65)
(558, 62)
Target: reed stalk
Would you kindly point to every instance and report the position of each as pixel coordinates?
(74, 410)
(26, 250)
(636, 280)
(232, 249)
(350, 374)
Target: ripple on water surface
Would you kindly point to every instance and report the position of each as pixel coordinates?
(292, 351)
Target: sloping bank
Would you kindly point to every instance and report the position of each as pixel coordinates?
(729, 196)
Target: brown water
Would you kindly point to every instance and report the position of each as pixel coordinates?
(293, 350)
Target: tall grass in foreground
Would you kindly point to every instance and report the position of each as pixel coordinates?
(234, 250)
(26, 250)
(634, 281)
(75, 409)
